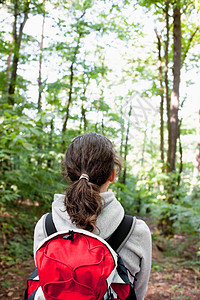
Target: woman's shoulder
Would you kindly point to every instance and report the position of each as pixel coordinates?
(141, 228)
(39, 232)
(39, 224)
(140, 239)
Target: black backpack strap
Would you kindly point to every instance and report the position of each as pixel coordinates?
(49, 224)
(120, 236)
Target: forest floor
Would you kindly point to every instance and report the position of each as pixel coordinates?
(175, 273)
(173, 278)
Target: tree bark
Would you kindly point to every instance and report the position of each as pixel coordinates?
(166, 222)
(167, 82)
(83, 111)
(180, 152)
(49, 161)
(160, 75)
(9, 60)
(39, 104)
(174, 105)
(122, 130)
(17, 37)
(72, 78)
(40, 65)
(126, 148)
(71, 84)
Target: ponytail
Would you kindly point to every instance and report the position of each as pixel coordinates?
(89, 161)
(80, 204)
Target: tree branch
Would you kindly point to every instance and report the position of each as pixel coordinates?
(188, 45)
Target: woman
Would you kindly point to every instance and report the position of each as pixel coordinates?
(91, 165)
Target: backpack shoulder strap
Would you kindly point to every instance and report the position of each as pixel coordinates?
(49, 224)
(120, 236)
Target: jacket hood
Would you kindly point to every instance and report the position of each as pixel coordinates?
(111, 216)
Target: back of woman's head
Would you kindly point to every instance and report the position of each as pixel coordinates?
(91, 154)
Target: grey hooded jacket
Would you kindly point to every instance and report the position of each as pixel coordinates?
(136, 253)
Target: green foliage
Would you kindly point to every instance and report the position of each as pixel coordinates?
(157, 267)
(185, 208)
(29, 171)
(134, 196)
(187, 213)
(16, 234)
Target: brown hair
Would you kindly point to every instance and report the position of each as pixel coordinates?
(92, 154)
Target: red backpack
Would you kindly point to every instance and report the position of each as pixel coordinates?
(79, 265)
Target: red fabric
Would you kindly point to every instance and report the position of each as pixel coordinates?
(122, 290)
(32, 286)
(74, 269)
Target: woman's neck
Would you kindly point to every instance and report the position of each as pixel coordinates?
(104, 187)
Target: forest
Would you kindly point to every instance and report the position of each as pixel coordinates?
(128, 70)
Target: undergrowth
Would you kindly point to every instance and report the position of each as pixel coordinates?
(16, 238)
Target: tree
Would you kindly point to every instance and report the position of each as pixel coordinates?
(40, 86)
(160, 72)
(174, 103)
(21, 10)
(174, 58)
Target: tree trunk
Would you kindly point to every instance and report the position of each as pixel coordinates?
(122, 132)
(39, 107)
(167, 82)
(160, 72)
(83, 111)
(166, 221)
(40, 65)
(72, 80)
(71, 85)
(8, 73)
(17, 37)
(126, 148)
(174, 105)
(83, 118)
(69, 97)
(102, 125)
(180, 152)
(49, 161)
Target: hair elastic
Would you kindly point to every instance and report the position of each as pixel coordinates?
(85, 176)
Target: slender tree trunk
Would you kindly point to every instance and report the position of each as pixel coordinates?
(174, 105)
(9, 60)
(187, 47)
(160, 75)
(167, 82)
(83, 118)
(69, 97)
(71, 81)
(49, 161)
(40, 64)
(126, 148)
(122, 132)
(102, 125)
(39, 107)
(83, 110)
(17, 37)
(180, 152)
(71, 84)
